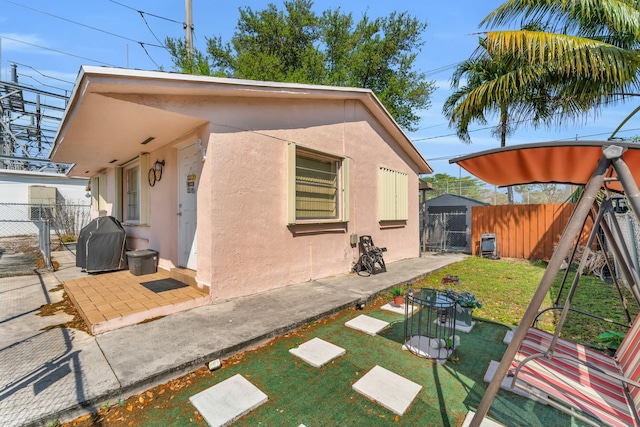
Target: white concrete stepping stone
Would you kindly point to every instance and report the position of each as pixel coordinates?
(393, 308)
(388, 389)
(508, 336)
(507, 381)
(431, 348)
(227, 401)
(367, 324)
(317, 352)
(486, 422)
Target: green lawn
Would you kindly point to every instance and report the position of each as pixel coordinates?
(506, 286)
(301, 394)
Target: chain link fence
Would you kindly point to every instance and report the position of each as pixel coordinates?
(30, 230)
(444, 232)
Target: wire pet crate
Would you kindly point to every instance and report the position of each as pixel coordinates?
(429, 324)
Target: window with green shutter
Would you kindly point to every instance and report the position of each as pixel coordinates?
(318, 186)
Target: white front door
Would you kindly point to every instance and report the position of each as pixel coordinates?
(188, 179)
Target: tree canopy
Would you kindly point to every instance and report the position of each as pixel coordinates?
(543, 193)
(297, 45)
(466, 186)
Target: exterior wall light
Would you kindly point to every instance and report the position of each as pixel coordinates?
(155, 173)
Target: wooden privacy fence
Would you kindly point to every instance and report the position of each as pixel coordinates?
(522, 231)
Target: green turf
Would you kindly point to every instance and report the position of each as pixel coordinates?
(301, 394)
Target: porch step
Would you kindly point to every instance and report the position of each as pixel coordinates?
(184, 275)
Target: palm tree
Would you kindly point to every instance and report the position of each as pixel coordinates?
(482, 96)
(585, 51)
(587, 54)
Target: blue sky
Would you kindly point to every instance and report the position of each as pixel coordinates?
(50, 50)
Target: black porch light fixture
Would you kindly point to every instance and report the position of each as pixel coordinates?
(155, 173)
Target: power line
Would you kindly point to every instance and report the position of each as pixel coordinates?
(58, 51)
(441, 69)
(517, 124)
(145, 51)
(44, 75)
(142, 15)
(151, 31)
(84, 25)
(42, 84)
(450, 134)
(141, 12)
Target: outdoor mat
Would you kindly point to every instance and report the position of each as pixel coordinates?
(162, 285)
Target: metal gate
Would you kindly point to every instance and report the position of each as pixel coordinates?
(445, 231)
(30, 230)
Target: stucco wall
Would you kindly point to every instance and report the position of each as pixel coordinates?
(161, 232)
(244, 243)
(252, 248)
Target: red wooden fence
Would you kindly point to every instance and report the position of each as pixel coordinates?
(522, 231)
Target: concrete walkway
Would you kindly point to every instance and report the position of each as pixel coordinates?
(61, 373)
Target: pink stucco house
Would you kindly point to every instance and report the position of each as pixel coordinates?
(253, 185)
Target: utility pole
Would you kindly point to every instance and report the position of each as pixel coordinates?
(188, 26)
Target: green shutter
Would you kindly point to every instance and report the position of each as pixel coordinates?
(393, 195)
(345, 189)
(291, 183)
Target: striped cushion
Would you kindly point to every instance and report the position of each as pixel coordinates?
(628, 357)
(576, 385)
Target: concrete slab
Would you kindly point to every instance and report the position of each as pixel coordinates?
(508, 337)
(507, 381)
(462, 327)
(18, 264)
(52, 376)
(317, 352)
(21, 300)
(227, 401)
(388, 389)
(459, 326)
(50, 372)
(486, 422)
(393, 308)
(430, 348)
(367, 324)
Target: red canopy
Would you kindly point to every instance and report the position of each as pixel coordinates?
(549, 162)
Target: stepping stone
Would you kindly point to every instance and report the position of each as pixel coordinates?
(393, 308)
(367, 324)
(427, 347)
(486, 422)
(388, 389)
(462, 327)
(459, 326)
(317, 352)
(508, 337)
(227, 401)
(507, 381)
